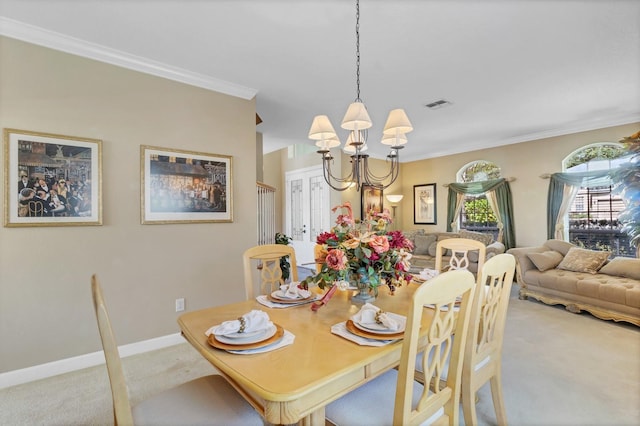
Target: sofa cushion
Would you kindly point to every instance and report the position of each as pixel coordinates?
(559, 245)
(546, 260)
(476, 236)
(583, 260)
(422, 243)
(622, 267)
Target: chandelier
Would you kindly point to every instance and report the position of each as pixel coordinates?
(357, 121)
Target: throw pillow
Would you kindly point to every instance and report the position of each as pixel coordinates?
(622, 267)
(583, 260)
(546, 260)
(477, 236)
(422, 243)
(559, 245)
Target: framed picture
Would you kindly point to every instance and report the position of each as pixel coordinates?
(424, 204)
(371, 200)
(185, 186)
(51, 180)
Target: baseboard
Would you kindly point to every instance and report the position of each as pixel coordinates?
(42, 371)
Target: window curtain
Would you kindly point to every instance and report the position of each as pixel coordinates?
(502, 205)
(563, 188)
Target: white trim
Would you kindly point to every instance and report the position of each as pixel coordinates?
(42, 371)
(42, 37)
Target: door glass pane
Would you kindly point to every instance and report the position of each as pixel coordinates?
(317, 202)
(296, 209)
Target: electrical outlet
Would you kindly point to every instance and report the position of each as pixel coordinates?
(180, 304)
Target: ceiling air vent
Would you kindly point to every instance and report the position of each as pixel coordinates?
(440, 103)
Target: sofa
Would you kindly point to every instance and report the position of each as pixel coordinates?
(560, 273)
(424, 252)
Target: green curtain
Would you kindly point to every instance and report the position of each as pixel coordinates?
(557, 183)
(503, 197)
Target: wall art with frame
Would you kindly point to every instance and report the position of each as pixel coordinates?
(179, 186)
(371, 200)
(52, 180)
(424, 204)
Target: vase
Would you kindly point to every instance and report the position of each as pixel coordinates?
(364, 288)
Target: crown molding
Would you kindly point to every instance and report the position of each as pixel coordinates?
(51, 39)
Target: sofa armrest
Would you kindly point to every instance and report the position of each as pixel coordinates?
(494, 248)
(523, 263)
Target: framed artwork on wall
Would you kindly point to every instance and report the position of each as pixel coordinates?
(51, 180)
(180, 186)
(371, 199)
(424, 204)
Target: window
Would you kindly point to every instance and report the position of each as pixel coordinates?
(476, 214)
(593, 217)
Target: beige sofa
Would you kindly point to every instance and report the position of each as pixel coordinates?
(425, 247)
(559, 273)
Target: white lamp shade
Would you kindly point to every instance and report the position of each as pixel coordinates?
(321, 128)
(393, 198)
(326, 144)
(397, 122)
(394, 139)
(357, 117)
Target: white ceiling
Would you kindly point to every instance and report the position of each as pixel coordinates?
(515, 70)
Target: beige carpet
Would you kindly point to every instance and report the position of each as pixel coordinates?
(558, 369)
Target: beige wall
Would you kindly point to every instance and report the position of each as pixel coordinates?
(45, 301)
(523, 161)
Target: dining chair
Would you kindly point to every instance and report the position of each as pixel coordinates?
(459, 250)
(268, 257)
(483, 351)
(374, 403)
(209, 400)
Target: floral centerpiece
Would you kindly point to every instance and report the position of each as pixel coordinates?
(363, 254)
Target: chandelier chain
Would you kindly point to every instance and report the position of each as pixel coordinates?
(358, 51)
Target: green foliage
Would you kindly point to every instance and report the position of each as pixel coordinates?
(481, 168)
(601, 152)
(478, 211)
(285, 265)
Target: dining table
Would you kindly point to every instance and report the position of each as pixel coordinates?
(294, 383)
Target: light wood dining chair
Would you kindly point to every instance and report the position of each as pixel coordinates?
(483, 351)
(374, 402)
(459, 250)
(268, 257)
(209, 400)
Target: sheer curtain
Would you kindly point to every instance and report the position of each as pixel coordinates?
(500, 202)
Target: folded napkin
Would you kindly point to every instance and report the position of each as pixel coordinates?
(253, 321)
(370, 314)
(292, 291)
(427, 274)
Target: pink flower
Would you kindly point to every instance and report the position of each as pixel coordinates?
(336, 259)
(344, 219)
(379, 243)
(323, 237)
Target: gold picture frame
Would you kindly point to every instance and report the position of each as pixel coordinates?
(51, 180)
(179, 186)
(371, 200)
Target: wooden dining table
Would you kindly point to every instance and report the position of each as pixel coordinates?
(293, 384)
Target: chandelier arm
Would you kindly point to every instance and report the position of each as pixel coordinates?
(371, 178)
(328, 176)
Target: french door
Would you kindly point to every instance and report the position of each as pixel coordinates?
(308, 210)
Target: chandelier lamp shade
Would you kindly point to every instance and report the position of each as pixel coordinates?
(357, 121)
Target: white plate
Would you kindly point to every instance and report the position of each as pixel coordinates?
(279, 294)
(381, 329)
(262, 335)
(243, 335)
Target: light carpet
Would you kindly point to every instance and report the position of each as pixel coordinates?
(559, 368)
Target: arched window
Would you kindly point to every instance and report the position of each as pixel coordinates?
(476, 213)
(592, 218)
